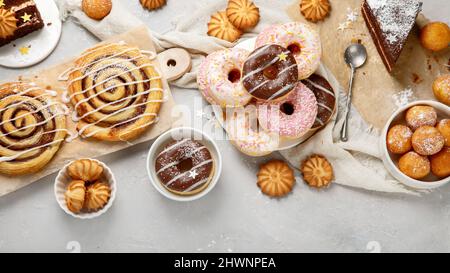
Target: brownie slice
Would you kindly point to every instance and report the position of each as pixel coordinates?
(21, 8)
(389, 23)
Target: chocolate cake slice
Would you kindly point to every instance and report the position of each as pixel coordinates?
(389, 23)
(18, 18)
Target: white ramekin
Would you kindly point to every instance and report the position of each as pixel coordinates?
(175, 133)
(390, 160)
(63, 180)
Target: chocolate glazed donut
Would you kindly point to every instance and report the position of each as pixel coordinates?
(185, 167)
(270, 72)
(325, 96)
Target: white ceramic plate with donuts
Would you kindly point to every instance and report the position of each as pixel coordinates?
(285, 143)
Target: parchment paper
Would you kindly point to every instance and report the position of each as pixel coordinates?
(89, 148)
(374, 87)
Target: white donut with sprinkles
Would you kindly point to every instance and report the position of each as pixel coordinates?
(301, 39)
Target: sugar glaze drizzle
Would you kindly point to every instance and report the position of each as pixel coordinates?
(68, 98)
(61, 110)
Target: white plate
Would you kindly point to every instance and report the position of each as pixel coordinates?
(41, 42)
(285, 144)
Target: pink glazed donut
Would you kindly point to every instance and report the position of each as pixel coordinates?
(300, 39)
(292, 117)
(219, 78)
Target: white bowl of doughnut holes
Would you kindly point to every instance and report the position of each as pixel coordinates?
(64, 181)
(180, 134)
(391, 160)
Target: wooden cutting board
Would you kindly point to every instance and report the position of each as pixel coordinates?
(172, 63)
(374, 87)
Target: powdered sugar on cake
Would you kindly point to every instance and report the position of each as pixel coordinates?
(396, 17)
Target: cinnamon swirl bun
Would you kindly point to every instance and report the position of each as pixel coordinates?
(115, 90)
(32, 127)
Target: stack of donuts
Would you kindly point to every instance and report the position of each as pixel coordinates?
(272, 93)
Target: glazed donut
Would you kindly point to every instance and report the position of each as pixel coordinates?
(291, 117)
(202, 81)
(326, 99)
(246, 134)
(219, 78)
(270, 72)
(185, 167)
(300, 39)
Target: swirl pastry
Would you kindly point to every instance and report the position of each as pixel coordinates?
(276, 178)
(317, 171)
(152, 4)
(8, 23)
(75, 195)
(86, 170)
(243, 14)
(220, 27)
(97, 196)
(115, 90)
(315, 10)
(32, 128)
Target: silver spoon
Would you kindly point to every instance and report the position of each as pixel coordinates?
(355, 56)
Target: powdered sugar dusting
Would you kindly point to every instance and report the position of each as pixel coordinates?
(398, 138)
(419, 116)
(396, 17)
(403, 97)
(428, 141)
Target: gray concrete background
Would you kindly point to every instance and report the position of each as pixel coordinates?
(234, 217)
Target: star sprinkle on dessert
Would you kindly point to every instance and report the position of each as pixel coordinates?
(2, 3)
(352, 16)
(26, 17)
(25, 50)
(403, 97)
(282, 56)
(343, 26)
(193, 174)
(200, 113)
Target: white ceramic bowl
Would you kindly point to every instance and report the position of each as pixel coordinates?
(390, 160)
(63, 180)
(179, 133)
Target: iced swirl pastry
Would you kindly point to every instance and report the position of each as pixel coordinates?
(32, 127)
(115, 90)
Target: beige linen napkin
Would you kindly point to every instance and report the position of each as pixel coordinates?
(356, 163)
